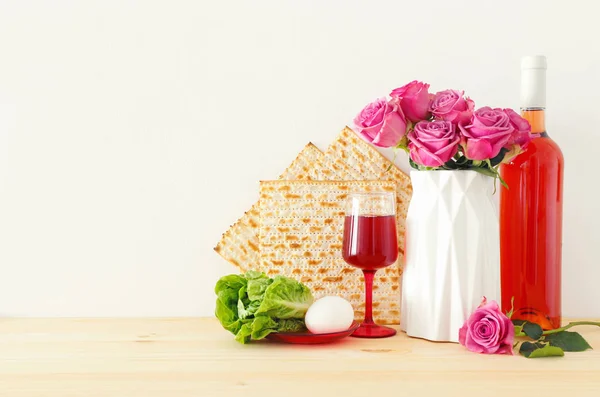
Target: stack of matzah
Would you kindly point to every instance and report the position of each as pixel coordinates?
(296, 228)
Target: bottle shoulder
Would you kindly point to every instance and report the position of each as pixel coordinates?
(547, 144)
(543, 149)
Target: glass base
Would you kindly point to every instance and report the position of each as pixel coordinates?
(373, 331)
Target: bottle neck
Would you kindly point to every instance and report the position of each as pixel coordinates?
(536, 118)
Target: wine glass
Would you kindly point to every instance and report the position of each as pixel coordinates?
(370, 243)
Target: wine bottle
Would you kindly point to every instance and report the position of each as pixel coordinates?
(531, 213)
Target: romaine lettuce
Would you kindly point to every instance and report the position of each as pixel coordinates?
(251, 306)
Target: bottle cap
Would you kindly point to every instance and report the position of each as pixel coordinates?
(533, 82)
(534, 62)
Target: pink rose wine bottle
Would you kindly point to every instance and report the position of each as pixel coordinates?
(531, 213)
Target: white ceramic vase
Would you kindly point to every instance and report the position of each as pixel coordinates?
(452, 252)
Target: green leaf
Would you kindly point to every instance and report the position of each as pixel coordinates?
(243, 302)
(231, 284)
(547, 351)
(228, 317)
(451, 165)
(285, 298)
(243, 313)
(291, 325)
(537, 350)
(533, 330)
(503, 182)
(228, 292)
(257, 287)
(485, 171)
(498, 159)
(263, 326)
(568, 341)
(251, 306)
(254, 275)
(462, 160)
(527, 347)
(243, 335)
(413, 164)
(519, 327)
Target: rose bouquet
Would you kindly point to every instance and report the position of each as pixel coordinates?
(444, 131)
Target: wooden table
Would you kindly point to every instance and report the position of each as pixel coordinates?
(195, 357)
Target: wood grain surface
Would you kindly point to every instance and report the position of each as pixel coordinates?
(196, 357)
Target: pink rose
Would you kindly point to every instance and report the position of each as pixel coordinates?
(489, 131)
(450, 105)
(488, 330)
(432, 143)
(382, 123)
(522, 129)
(414, 100)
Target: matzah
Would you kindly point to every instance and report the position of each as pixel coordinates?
(239, 244)
(301, 235)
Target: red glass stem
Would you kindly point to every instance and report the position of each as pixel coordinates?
(369, 275)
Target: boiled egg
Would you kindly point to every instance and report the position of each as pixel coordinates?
(329, 314)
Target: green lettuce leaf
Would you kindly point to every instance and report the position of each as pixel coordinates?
(250, 297)
(229, 287)
(285, 298)
(291, 325)
(226, 310)
(254, 275)
(243, 304)
(227, 317)
(243, 336)
(263, 326)
(251, 306)
(257, 286)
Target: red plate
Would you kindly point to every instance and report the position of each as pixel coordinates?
(308, 338)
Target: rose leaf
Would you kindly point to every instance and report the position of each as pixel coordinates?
(484, 170)
(413, 164)
(537, 350)
(532, 330)
(451, 165)
(499, 157)
(527, 347)
(568, 341)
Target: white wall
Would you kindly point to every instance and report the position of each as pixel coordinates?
(132, 133)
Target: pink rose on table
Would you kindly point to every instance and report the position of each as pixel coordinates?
(488, 330)
(414, 100)
(522, 133)
(382, 123)
(432, 143)
(450, 105)
(489, 131)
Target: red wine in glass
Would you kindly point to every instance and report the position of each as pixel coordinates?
(370, 243)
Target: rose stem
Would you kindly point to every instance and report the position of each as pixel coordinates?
(566, 327)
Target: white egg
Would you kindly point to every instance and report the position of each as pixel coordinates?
(329, 314)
